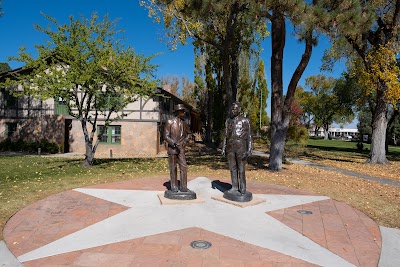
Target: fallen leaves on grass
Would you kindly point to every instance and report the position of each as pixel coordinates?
(389, 171)
(380, 202)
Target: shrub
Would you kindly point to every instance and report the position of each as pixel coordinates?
(298, 134)
(48, 147)
(30, 147)
(6, 145)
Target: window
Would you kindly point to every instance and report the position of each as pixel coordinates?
(107, 103)
(11, 129)
(112, 135)
(61, 107)
(10, 100)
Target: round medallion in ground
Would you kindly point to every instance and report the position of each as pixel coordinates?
(304, 212)
(200, 244)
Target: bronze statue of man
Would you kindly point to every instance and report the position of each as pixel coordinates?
(237, 147)
(177, 134)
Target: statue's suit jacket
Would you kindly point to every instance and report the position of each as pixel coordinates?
(238, 135)
(176, 131)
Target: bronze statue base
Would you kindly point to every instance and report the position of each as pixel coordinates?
(237, 196)
(189, 195)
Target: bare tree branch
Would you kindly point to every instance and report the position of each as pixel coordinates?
(396, 14)
(305, 58)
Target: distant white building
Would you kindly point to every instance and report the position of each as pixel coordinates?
(345, 133)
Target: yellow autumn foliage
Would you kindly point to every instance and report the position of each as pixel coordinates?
(382, 72)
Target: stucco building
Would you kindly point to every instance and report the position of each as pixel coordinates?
(139, 133)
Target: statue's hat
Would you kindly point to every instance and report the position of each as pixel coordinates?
(179, 107)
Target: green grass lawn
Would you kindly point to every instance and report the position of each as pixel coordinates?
(341, 146)
(32, 174)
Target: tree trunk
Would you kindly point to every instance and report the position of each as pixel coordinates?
(281, 109)
(226, 68)
(316, 129)
(278, 145)
(228, 55)
(378, 155)
(379, 125)
(210, 102)
(390, 129)
(89, 153)
(278, 130)
(210, 110)
(326, 135)
(235, 75)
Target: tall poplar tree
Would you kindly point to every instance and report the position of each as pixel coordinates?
(262, 95)
(246, 91)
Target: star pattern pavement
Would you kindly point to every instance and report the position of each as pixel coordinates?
(146, 216)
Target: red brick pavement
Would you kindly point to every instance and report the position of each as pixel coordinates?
(334, 225)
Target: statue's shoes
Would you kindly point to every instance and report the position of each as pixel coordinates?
(232, 191)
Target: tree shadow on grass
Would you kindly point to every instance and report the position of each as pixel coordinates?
(103, 163)
(392, 155)
(65, 163)
(214, 162)
(258, 163)
(340, 149)
(316, 157)
(217, 162)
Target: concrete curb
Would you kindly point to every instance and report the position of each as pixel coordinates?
(390, 254)
(7, 259)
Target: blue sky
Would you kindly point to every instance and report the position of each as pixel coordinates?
(146, 37)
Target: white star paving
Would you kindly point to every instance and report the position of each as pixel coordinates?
(146, 216)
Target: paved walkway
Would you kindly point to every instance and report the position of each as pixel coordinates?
(127, 224)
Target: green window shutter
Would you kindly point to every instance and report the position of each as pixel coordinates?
(60, 107)
(112, 135)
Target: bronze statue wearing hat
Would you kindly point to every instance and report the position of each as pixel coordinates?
(177, 133)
